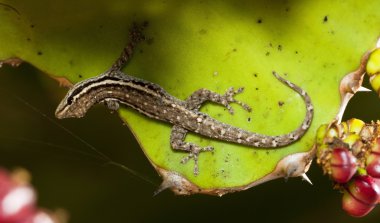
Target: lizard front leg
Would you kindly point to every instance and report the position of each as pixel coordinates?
(194, 102)
(199, 97)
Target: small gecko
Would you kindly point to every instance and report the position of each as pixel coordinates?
(114, 87)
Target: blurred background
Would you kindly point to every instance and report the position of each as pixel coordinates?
(69, 174)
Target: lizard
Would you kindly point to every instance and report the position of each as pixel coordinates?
(114, 87)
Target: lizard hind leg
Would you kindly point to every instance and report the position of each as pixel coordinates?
(177, 142)
(194, 102)
(199, 97)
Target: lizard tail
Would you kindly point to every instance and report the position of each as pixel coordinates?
(244, 137)
(283, 140)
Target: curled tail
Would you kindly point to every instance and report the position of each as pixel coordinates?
(240, 136)
(286, 139)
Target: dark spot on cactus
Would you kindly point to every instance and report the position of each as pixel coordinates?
(150, 41)
(281, 103)
(257, 89)
(279, 47)
(234, 49)
(39, 53)
(270, 44)
(287, 9)
(255, 74)
(249, 119)
(325, 19)
(203, 31)
(28, 39)
(226, 160)
(296, 52)
(259, 21)
(267, 54)
(80, 76)
(32, 26)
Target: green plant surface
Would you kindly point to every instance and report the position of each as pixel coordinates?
(205, 44)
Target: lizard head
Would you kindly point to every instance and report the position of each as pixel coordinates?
(69, 106)
(84, 94)
(75, 103)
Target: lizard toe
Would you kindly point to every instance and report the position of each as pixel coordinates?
(194, 154)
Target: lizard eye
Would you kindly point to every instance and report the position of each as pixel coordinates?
(69, 100)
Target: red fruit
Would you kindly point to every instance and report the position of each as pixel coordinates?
(354, 207)
(39, 217)
(373, 165)
(343, 165)
(361, 196)
(365, 189)
(17, 204)
(377, 181)
(5, 183)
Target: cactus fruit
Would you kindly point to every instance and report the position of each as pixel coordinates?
(349, 153)
(18, 201)
(361, 196)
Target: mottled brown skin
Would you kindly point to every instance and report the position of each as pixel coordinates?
(114, 87)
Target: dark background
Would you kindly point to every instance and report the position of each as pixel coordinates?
(68, 174)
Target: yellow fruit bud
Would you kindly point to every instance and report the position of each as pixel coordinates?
(375, 82)
(373, 64)
(321, 133)
(355, 125)
(351, 139)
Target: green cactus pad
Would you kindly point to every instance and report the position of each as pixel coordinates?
(205, 44)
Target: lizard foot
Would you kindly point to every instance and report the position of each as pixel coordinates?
(228, 98)
(194, 154)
